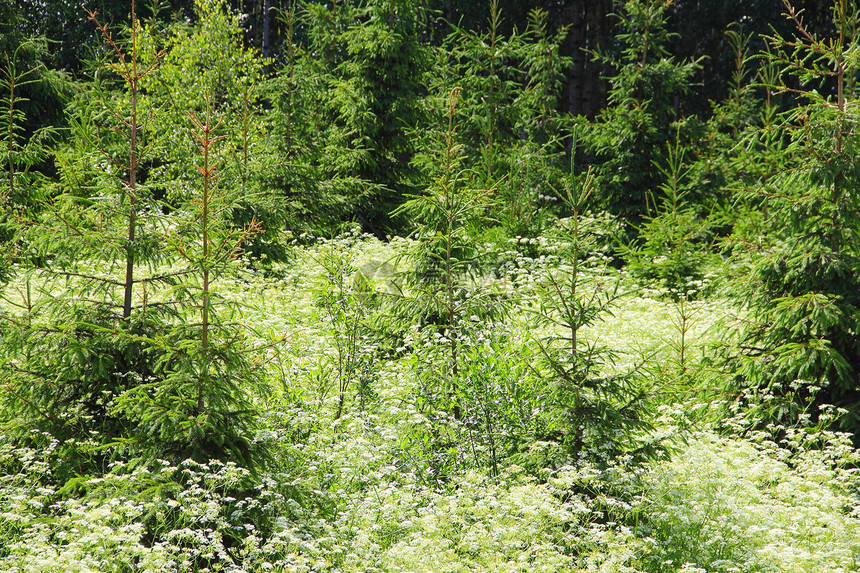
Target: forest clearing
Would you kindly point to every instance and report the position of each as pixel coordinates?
(405, 286)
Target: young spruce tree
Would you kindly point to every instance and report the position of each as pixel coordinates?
(446, 252)
(510, 129)
(197, 403)
(20, 152)
(75, 343)
(437, 291)
(103, 352)
(593, 412)
(799, 351)
(625, 143)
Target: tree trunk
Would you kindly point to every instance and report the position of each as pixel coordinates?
(588, 27)
(267, 29)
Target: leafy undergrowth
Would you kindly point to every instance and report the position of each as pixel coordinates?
(390, 485)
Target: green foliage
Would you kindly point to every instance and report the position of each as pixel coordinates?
(799, 353)
(371, 60)
(768, 523)
(470, 425)
(71, 344)
(164, 406)
(510, 128)
(203, 65)
(19, 155)
(486, 64)
(673, 245)
(65, 361)
(749, 147)
(358, 491)
(97, 348)
(498, 396)
(68, 357)
(315, 192)
(182, 517)
(29, 49)
(197, 405)
(593, 412)
(22, 150)
(32, 97)
(480, 413)
(717, 179)
(625, 142)
(346, 299)
(446, 250)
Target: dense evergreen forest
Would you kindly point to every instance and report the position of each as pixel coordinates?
(426, 285)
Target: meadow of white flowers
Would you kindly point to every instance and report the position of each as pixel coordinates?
(356, 494)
